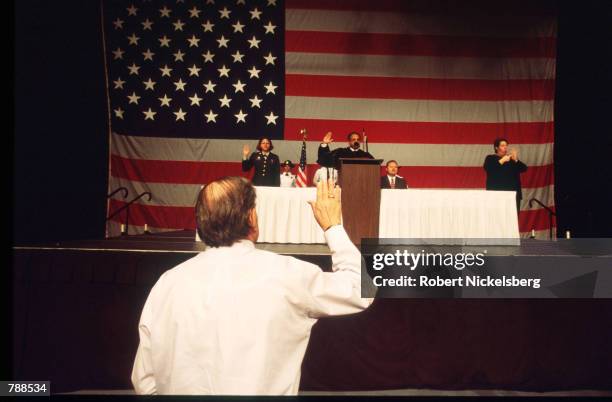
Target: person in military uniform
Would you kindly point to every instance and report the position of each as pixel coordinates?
(267, 164)
(287, 179)
(331, 159)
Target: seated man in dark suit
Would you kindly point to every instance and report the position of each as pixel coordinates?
(329, 158)
(392, 179)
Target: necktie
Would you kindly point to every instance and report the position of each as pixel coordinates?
(393, 182)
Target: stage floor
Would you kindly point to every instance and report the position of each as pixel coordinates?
(183, 241)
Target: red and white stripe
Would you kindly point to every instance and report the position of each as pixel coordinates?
(301, 179)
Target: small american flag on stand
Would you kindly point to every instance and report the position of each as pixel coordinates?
(302, 180)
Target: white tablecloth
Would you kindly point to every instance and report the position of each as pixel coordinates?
(451, 214)
(285, 216)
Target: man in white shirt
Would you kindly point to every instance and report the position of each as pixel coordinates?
(325, 173)
(234, 319)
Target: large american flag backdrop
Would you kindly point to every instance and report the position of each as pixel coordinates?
(432, 83)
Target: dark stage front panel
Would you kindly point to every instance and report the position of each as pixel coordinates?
(76, 313)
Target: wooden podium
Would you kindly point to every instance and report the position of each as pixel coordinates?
(359, 179)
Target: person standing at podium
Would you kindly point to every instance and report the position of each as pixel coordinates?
(504, 170)
(266, 164)
(392, 179)
(329, 158)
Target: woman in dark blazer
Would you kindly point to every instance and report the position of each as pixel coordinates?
(266, 164)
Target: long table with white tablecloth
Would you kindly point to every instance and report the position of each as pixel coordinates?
(286, 217)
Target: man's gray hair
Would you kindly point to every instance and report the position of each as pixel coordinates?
(223, 210)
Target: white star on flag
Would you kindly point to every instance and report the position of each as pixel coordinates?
(211, 117)
(269, 58)
(271, 88)
(225, 13)
(194, 12)
(133, 69)
(178, 25)
(194, 70)
(253, 42)
(165, 71)
(195, 100)
(210, 87)
(208, 56)
(180, 85)
(164, 41)
(133, 98)
(239, 86)
(149, 84)
(222, 41)
(255, 13)
(208, 27)
(225, 101)
(179, 55)
(271, 118)
(238, 27)
(223, 71)
(193, 41)
(165, 12)
(133, 39)
(180, 115)
(119, 83)
(270, 28)
(256, 102)
(149, 114)
(237, 57)
(165, 101)
(253, 72)
(118, 53)
(132, 10)
(240, 117)
(148, 55)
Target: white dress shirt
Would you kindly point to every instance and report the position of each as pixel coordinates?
(236, 320)
(393, 178)
(287, 180)
(322, 173)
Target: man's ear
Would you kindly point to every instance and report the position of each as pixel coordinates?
(253, 218)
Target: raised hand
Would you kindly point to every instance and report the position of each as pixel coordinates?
(327, 209)
(328, 138)
(514, 155)
(245, 151)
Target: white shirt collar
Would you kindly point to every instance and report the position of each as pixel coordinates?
(241, 244)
